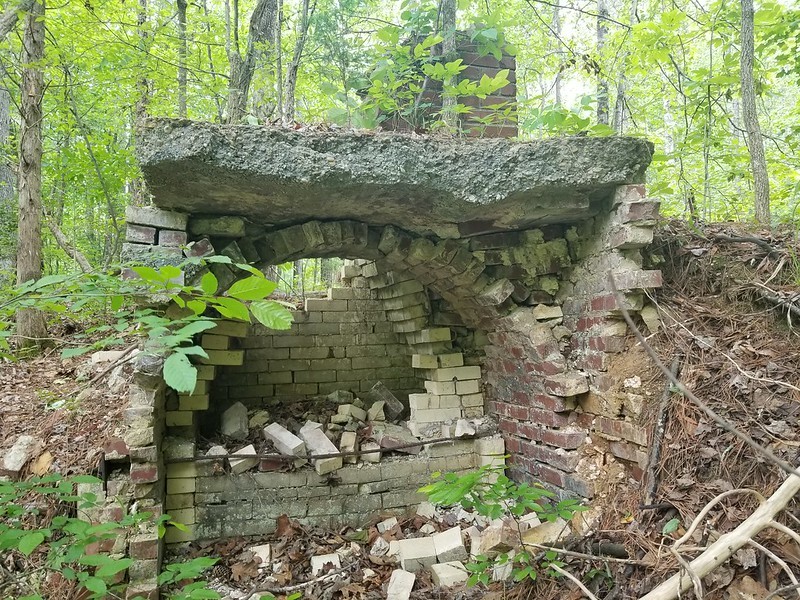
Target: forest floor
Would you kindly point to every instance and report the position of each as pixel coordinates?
(730, 312)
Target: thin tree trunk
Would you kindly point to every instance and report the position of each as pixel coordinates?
(620, 102)
(211, 60)
(602, 82)
(8, 212)
(30, 322)
(557, 33)
(137, 186)
(294, 66)
(9, 18)
(279, 59)
(755, 141)
(449, 10)
(261, 32)
(69, 249)
(182, 52)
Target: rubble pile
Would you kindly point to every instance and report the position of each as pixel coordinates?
(392, 558)
(328, 432)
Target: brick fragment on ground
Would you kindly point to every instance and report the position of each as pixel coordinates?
(417, 553)
(400, 585)
(324, 563)
(15, 459)
(235, 422)
(449, 573)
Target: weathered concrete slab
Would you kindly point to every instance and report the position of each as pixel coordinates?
(429, 185)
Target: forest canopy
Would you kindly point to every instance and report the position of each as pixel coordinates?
(675, 73)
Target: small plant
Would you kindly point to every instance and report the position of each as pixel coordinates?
(491, 494)
(68, 545)
(171, 336)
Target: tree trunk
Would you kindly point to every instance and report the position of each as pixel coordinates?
(291, 72)
(182, 52)
(557, 33)
(8, 212)
(138, 189)
(9, 18)
(30, 322)
(602, 82)
(69, 249)
(448, 12)
(261, 32)
(279, 60)
(755, 142)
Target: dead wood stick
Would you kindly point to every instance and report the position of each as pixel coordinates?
(658, 437)
(574, 580)
(711, 414)
(288, 589)
(747, 239)
(727, 544)
(776, 559)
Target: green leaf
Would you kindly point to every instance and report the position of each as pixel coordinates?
(30, 542)
(95, 585)
(271, 314)
(231, 308)
(73, 352)
(116, 302)
(198, 307)
(85, 479)
(180, 374)
(252, 288)
(670, 526)
(111, 569)
(195, 327)
(209, 283)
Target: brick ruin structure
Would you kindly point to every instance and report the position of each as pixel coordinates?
(476, 286)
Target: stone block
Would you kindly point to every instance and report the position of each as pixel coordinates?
(140, 234)
(193, 401)
(566, 384)
(424, 361)
(400, 585)
(171, 239)
(179, 418)
(184, 485)
(454, 359)
(231, 328)
(284, 440)
(496, 293)
(350, 410)
(376, 411)
(386, 524)
(449, 545)
(471, 386)
(347, 443)
(393, 408)
(435, 415)
(547, 533)
(367, 452)
(223, 358)
(163, 219)
(24, 448)
(227, 226)
(455, 374)
(442, 388)
(449, 573)
(318, 443)
(240, 465)
(416, 553)
(234, 423)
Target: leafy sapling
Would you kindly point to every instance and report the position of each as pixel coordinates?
(491, 494)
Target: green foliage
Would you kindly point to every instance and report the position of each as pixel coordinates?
(410, 63)
(66, 543)
(173, 337)
(491, 494)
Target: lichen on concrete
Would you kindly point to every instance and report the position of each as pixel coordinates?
(429, 185)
